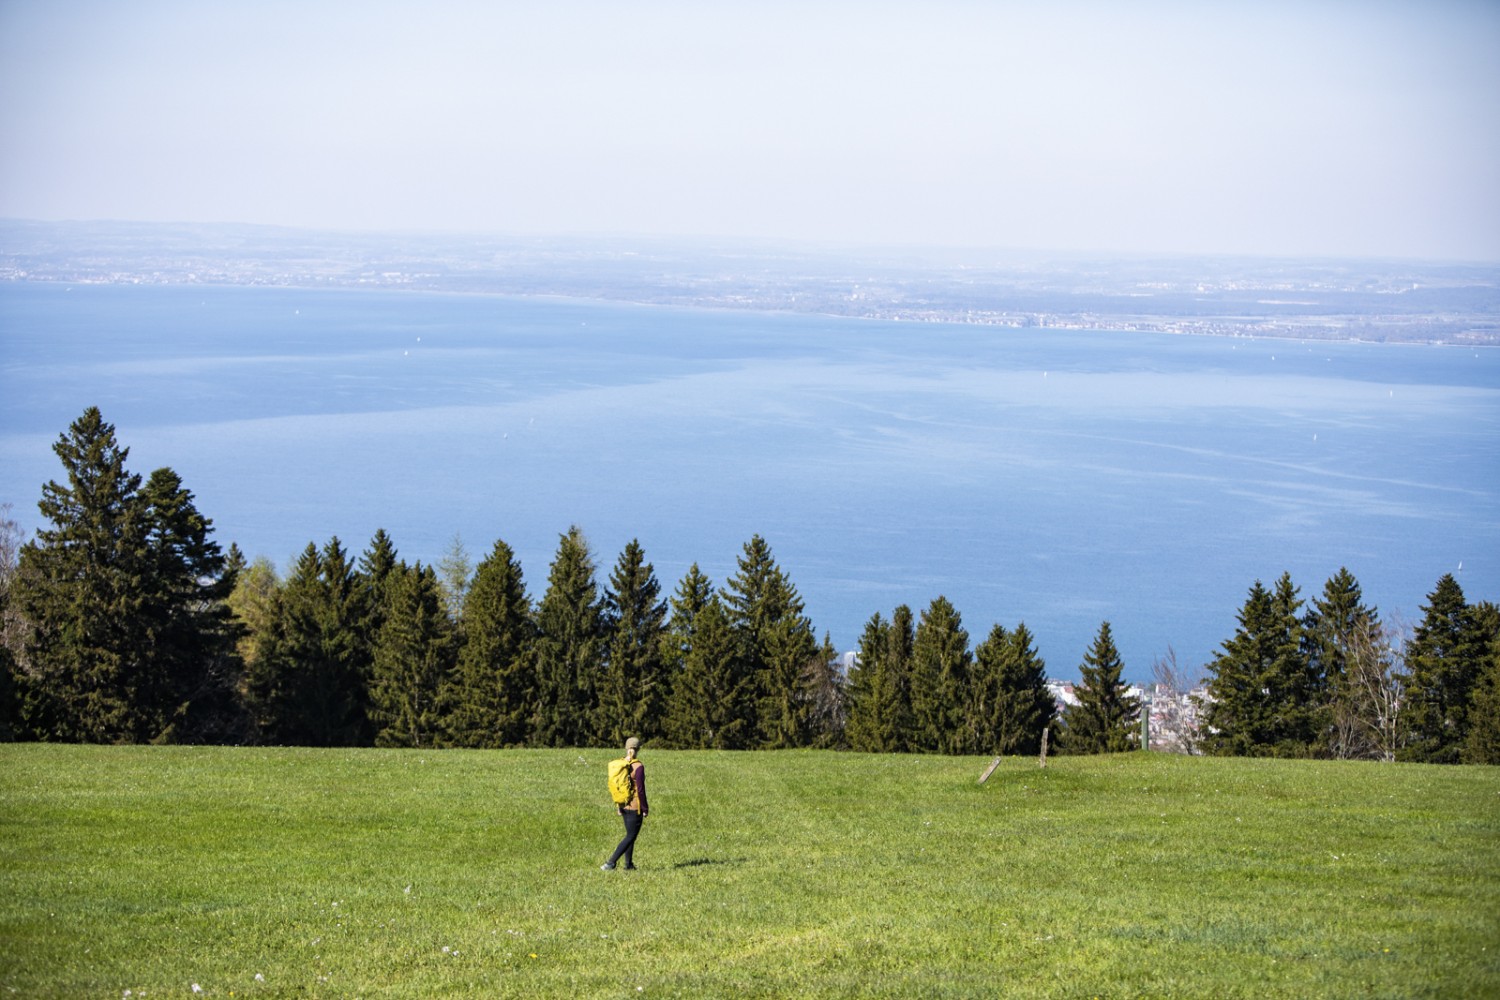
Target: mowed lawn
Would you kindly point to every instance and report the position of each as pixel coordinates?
(179, 872)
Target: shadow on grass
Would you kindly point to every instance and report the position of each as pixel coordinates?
(701, 862)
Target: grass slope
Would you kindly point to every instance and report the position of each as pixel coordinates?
(271, 873)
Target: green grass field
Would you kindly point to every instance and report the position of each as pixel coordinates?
(369, 873)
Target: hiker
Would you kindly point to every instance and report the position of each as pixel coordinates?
(633, 809)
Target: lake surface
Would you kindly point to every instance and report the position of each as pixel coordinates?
(1060, 478)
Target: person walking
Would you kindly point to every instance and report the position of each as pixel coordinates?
(633, 812)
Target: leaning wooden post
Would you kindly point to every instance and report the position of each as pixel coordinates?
(989, 770)
(1044, 745)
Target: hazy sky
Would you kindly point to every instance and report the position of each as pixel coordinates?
(1244, 126)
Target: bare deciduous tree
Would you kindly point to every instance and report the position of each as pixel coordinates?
(1174, 709)
(1366, 703)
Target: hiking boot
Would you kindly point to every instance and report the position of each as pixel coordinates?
(608, 866)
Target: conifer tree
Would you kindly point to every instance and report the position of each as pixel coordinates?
(1107, 716)
(895, 688)
(311, 685)
(1013, 679)
(865, 727)
(253, 602)
(632, 689)
(375, 575)
(570, 646)
(1443, 659)
(189, 691)
(493, 698)
(713, 698)
(1264, 695)
(80, 589)
(455, 571)
(1482, 744)
(776, 642)
(411, 661)
(940, 677)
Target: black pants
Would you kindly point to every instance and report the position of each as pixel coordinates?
(627, 846)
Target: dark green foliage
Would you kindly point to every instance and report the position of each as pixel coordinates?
(941, 663)
(412, 660)
(493, 696)
(1012, 704)
(1482, 745)
(377, 564)
(1444, 660)
(776, 643)
(190, 693)
(311, 685)
(880, 713)
(80, 589)
(127, 635)
(10, 638)
(1266, 698)
(713, 695)
(632, 689)
(570, 647)
(1107, 717)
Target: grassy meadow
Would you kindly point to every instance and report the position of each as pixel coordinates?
(180, 872)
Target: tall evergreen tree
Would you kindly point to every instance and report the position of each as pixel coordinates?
(713, 698)
(192, 673)
(411, 662)
(12, 726)
(1264, 694)
(493, 697)
(1443, 661)
(570, 619)
(1107, 716)
(776, 641)
(1016, 704)
(311, 686)
(632, 690)
(375, 575)
(865, 728)
(1482, 744)
(941, 664)
(80, 590)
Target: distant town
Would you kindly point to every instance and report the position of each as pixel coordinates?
(1367, 300)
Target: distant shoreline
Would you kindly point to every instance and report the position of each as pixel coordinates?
(1309, 300)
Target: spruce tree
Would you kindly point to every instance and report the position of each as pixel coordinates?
(493, 697)
(80, 589)
(1482, 744)
(1019, 704)
(895, 688)
(632, 689)
(311, 685)
(570, 620)
(713, 697)
(941, 664)
(864, 727)
(776, 642)
(1443, 659)
(189, 692)
(1107, 717)
(411, 661)
(1264, 696)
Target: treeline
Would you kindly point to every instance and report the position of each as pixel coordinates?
(124, 622)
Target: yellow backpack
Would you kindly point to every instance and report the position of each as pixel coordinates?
(621, 787)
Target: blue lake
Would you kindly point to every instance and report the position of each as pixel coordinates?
(1060, 478)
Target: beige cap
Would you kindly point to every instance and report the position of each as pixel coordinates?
(632, 744)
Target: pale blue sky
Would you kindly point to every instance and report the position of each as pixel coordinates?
(1306, 128)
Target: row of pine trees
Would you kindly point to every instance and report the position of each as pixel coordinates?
(125, 622)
